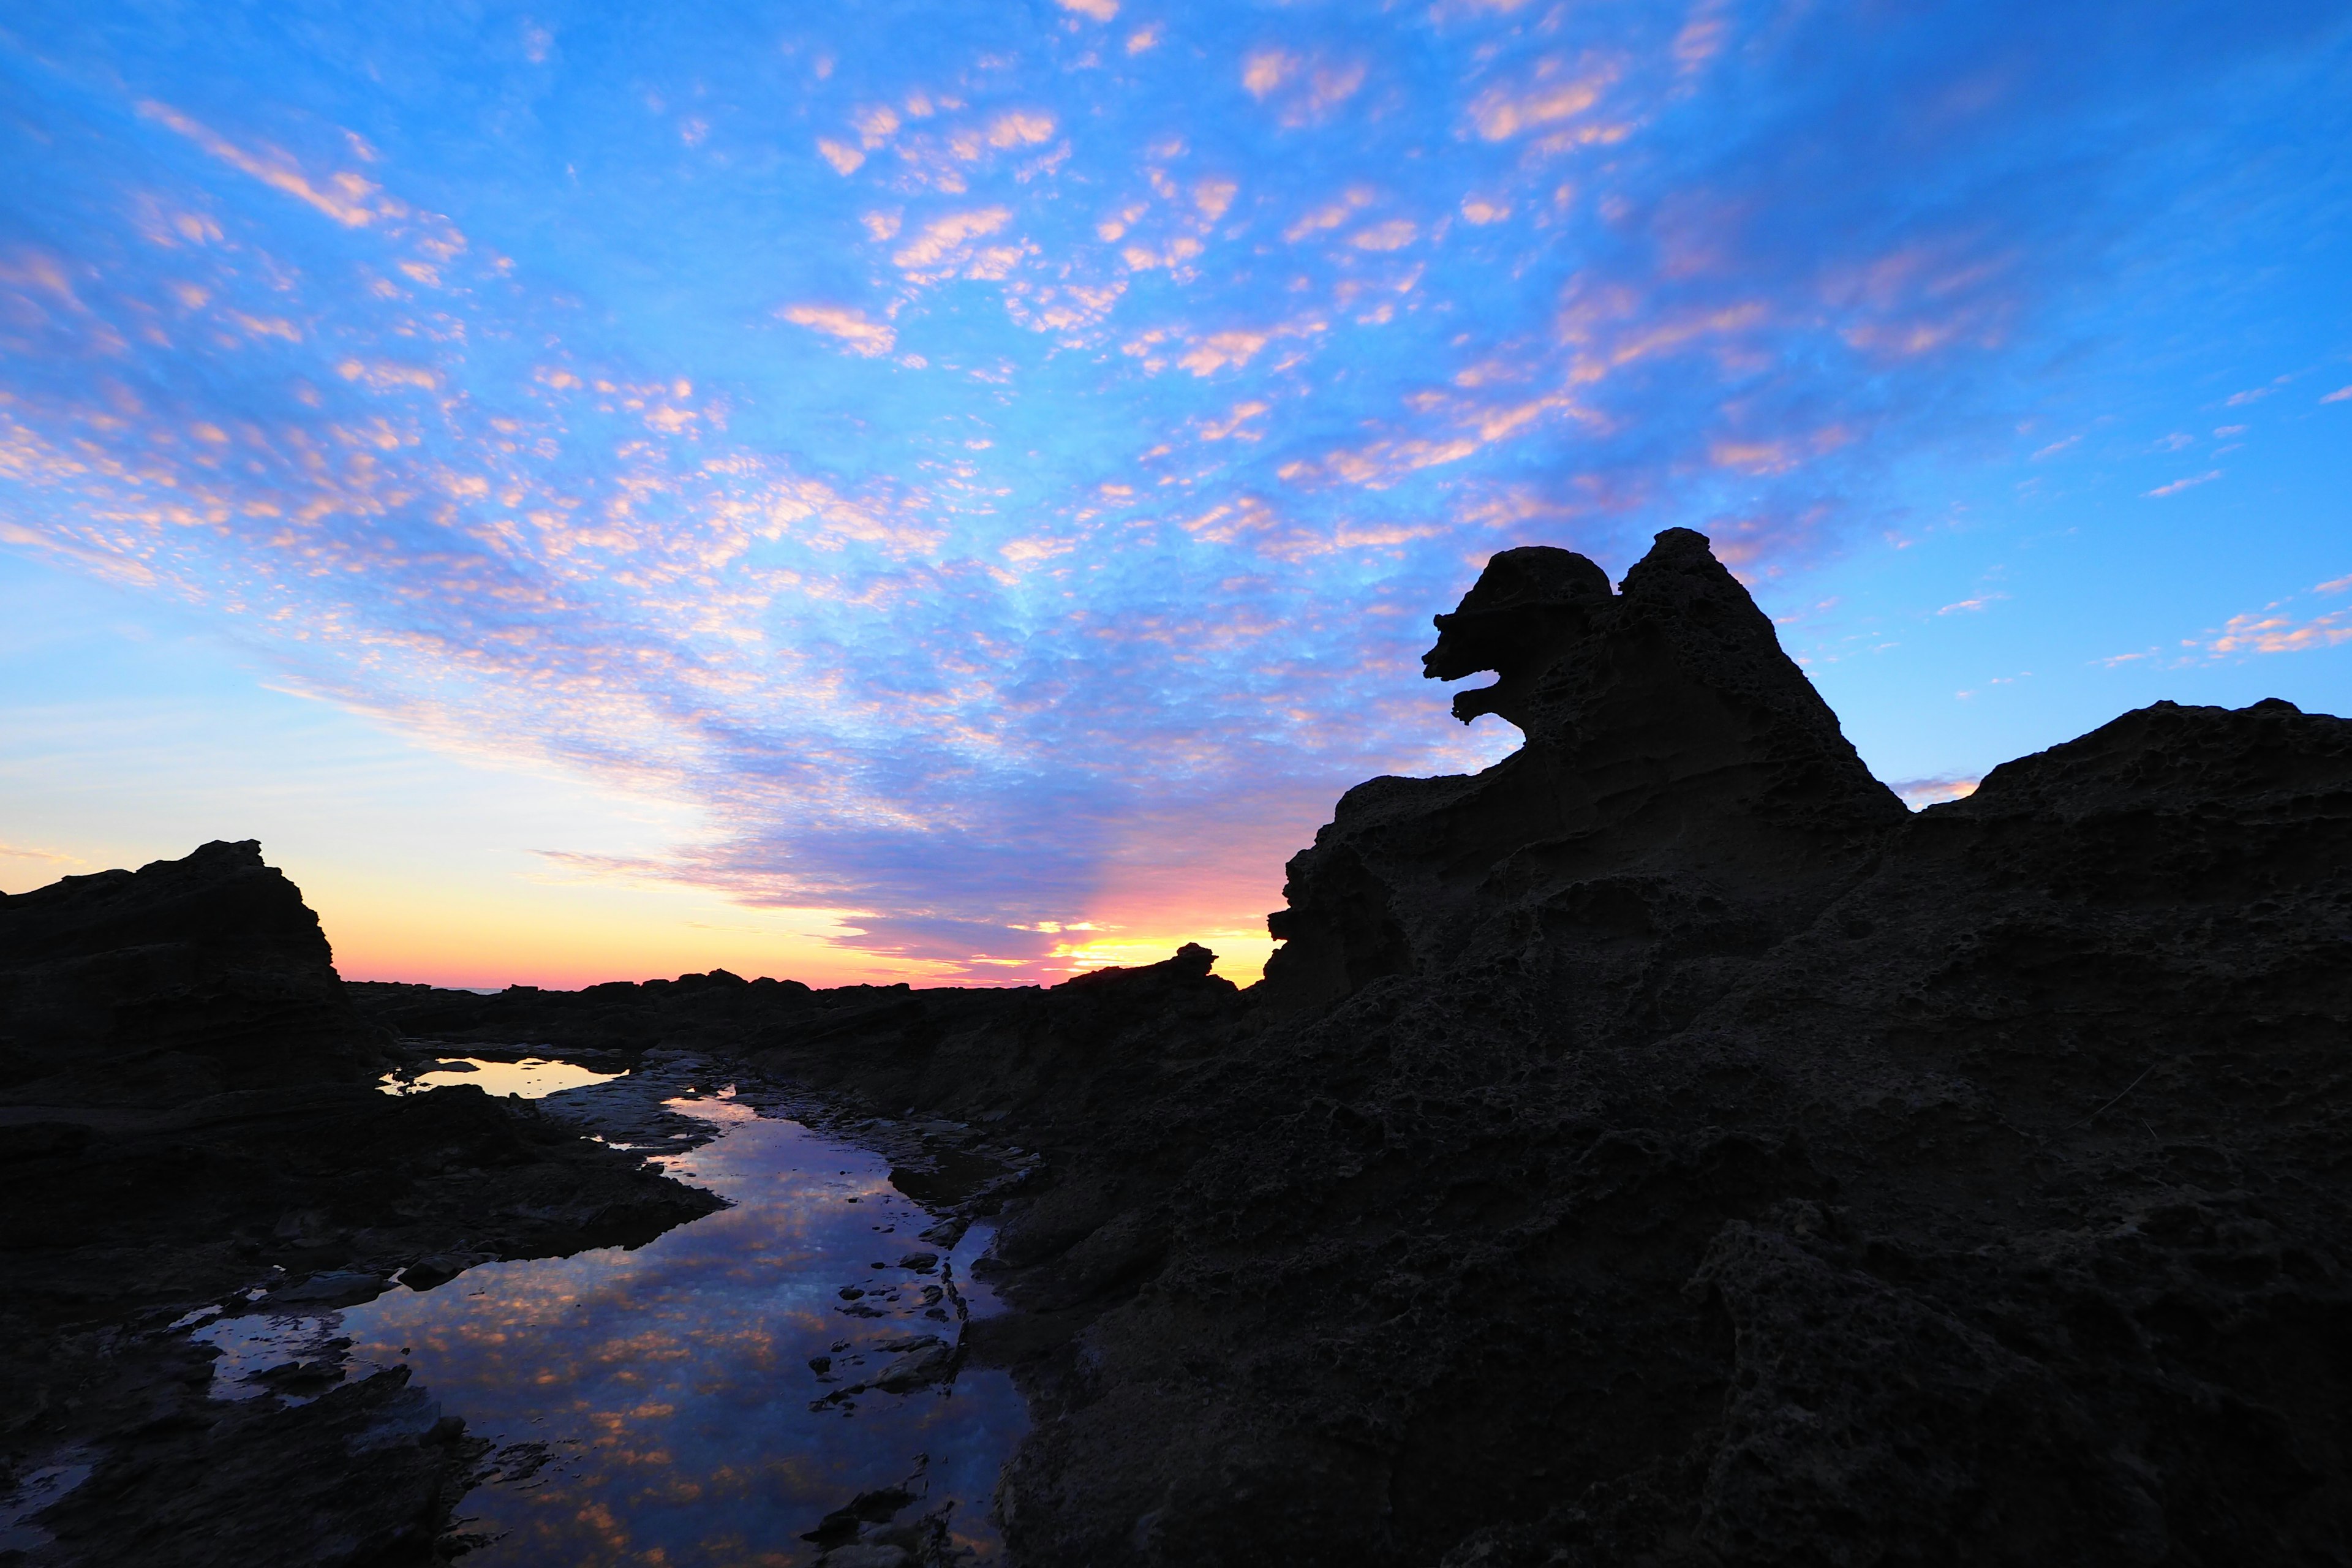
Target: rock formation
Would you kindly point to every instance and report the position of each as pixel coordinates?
(1679, 772)
(1663, 1149)
(188, 1113)
(159, 987)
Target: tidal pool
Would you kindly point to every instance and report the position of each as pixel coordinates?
(532, 1077)
(660, 1406)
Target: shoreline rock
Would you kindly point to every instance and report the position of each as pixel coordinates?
(1664, 1148)
(1659, 1148)
(189, 1117)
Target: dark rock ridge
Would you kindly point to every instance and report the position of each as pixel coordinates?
(1675, 756)
(189, 1116)
(160, 986)
(1661, 1148)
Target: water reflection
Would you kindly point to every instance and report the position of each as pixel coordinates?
(532, 1077)
(661, 1406)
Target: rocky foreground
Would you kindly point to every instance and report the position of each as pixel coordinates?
(189, 1117)
(1661, 1148)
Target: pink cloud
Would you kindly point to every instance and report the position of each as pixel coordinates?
(853, 328)
(2176, 486)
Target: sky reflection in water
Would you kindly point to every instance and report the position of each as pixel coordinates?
(672, 1383)
(532, 1077)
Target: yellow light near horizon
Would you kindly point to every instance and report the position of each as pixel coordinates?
(512, 931)
(502, 929)
(1241, 954)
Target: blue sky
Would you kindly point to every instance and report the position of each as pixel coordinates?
(955, 492)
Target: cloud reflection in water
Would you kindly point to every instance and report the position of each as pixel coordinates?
(671, 1384)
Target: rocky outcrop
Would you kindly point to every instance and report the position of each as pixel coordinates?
(1663, 1149)
(623, 1017)
(189, 1117)
(1751, 1174)
(159, 987)
(1681, 779)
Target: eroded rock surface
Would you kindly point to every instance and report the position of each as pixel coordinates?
(1681, 779)
(1660, 1148)
(189, 1117)
(161, 986)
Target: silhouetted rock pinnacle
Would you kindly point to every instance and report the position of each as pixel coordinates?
(1667, 736)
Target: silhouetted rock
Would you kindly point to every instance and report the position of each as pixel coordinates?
(161, 986)
(188, 1115)
(1683, 1156)
(1660, 1148)
(1680, 776)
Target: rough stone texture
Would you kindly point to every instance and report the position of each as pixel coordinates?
(1678, 770)
(1661, 1148)
(159, 987)
(188, 1112)
(363, 1476)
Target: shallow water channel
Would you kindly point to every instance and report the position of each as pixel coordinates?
(661, 1405)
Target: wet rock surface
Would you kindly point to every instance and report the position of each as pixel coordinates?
(188, 1119)
(1660, 1148)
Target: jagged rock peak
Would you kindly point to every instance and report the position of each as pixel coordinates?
(1668, 738)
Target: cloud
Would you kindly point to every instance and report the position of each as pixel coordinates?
(2271, 632)
(851, 326)
(1220, 398)
(947, 238)
(46, 857)
(1020, 128)
(1262, 71)
(1555, 92)
(2338, 395)
(348, 198)
(1307, 86)
(1920, 794)
(1394, 234)
(1100, 10)
(1221, 351)
(2176, 486)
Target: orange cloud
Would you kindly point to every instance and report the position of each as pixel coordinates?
(1501, 112)
(1394, 234)
(2272, 633)
(944, 236)
(859, 333)
(344, 197)
(1220, 350)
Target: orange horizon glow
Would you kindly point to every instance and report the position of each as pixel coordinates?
(537, 936)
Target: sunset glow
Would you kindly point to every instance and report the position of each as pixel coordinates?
(897, 491)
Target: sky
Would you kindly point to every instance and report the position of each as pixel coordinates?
(953, 493)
